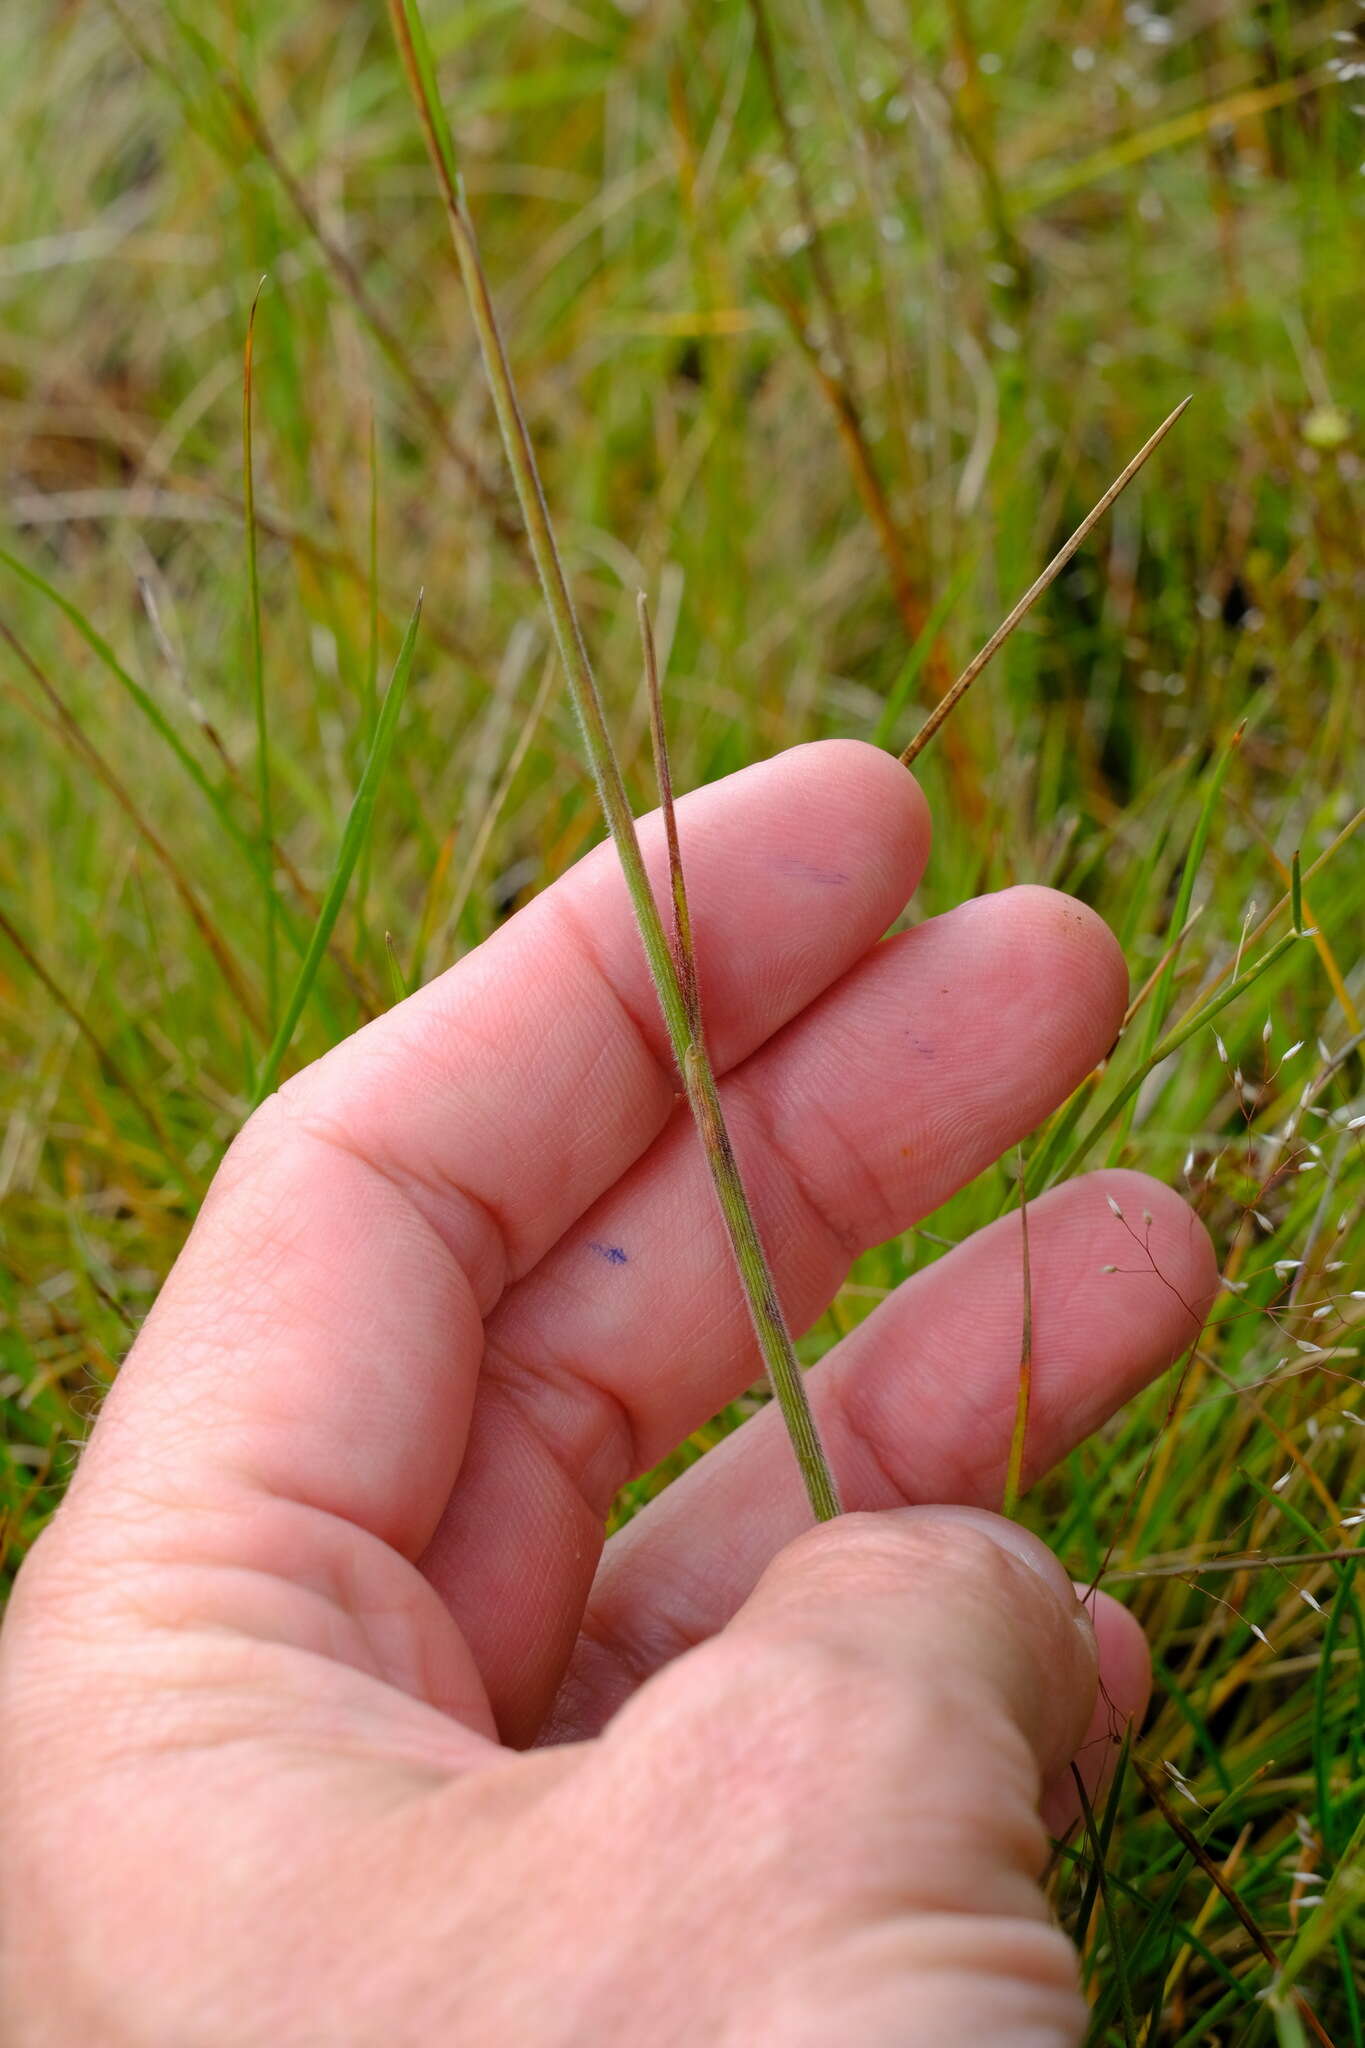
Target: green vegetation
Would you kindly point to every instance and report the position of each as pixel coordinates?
(830, 322)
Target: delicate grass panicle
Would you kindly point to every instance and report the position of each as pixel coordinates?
(829, 324)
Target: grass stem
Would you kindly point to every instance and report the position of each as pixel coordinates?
(774, 1339)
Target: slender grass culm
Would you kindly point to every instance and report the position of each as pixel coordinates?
(671, 961)
(681, 1015)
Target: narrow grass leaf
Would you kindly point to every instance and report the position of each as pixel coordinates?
(272, 983)
(353, 838)
(684, 952)
(1014, 1474)
(921, 648)
(169, 1150)
(1118, 1962)
(1335, 1913)
(144, 701)
(1160, 1003)
(954, 696)
(1172, 1042)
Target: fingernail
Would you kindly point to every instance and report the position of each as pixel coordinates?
(1085, 1600)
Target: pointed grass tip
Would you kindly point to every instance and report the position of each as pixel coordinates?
(958, 690)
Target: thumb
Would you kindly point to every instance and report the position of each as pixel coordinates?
(876, 1725)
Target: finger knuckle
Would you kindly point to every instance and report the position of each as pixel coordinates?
(971, 1566)
(863, 1557)
(857, 1554)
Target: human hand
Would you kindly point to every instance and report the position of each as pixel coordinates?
(333, 1563)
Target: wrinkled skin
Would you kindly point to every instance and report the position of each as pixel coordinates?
(325, 1715)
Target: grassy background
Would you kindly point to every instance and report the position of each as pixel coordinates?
(830, 369)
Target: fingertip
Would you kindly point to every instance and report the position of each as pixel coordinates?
(872, 802)
(953, 1523)
(1075, 952)
(1049, 982)
(1125, 1661)
(1125, 1688)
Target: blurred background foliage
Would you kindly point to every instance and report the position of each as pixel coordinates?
(830, 318)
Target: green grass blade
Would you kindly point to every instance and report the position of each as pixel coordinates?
(372, 592)
(272, 978)
(353, 839)
(1335, 1913)
(370, 699)
(921, 648)
(142, 698)
(140, 1101)
(1014, 1472)
(1161, 996)
(397, 978)
(1120, 1971)
(415, 50)
(1099, 1842)
(1289, 2028)
(147, 705)
(1173, 1041)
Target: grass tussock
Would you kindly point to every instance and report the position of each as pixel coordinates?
(829, 325)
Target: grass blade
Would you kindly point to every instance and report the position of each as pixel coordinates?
(65, 723)
(488, 823)
(72, 1009)
(1014, 1474)
(354, 837)
(1120, 1968)
(1335, 1913)
(387, 337)
(953, 697)
(684, 952)
(142, 698)
(396, 975)
(1160, 1003)
(272, 973)
(1174, 1039)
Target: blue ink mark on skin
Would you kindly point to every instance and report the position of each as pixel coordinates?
(612, 1253)
(805, 871)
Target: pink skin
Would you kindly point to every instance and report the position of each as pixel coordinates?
(464, 1277)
